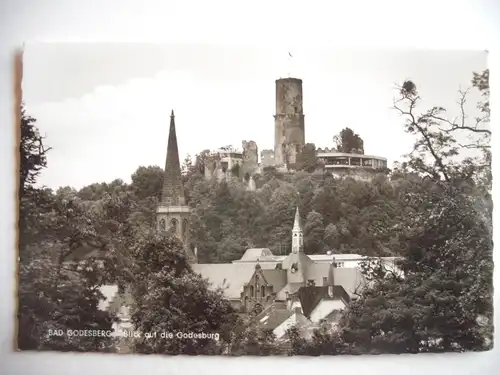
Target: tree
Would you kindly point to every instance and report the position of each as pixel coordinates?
(169, 297)
(33, 154)
(249, 339)
(147, 182)
(436, 147)
(349, 142)
(324, 341)
(442, 212)
(55, 295)
(332, 236)
(52, 299)
(306, 158)
(187, 166)
(278, 222)
(444, 300)
(51, 295)
(314, 231)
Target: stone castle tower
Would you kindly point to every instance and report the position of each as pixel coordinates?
(172, 213)
(289, 130)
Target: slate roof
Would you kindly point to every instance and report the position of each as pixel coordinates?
(276, 278)
(232, 275)
(290, 288)
(351, 279)
(310, 296)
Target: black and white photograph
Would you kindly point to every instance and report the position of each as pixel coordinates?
(197, 199)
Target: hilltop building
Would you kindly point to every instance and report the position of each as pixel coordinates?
(289, 141)
(358, 166)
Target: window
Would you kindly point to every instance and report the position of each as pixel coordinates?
(324, 280)
(173, 225)
(339, 264)
(311, 283)
(251, 291)
(262, 291)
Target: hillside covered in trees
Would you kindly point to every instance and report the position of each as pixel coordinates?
(432, 211)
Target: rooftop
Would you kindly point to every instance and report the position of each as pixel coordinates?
(229, 275)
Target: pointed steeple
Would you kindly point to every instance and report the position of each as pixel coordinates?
(296, 224)
(297, 235)
(173, 192)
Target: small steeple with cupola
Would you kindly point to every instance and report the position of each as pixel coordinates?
(297, 234)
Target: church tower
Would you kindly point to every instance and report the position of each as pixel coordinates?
(172, 213)
(297, 263)
(297, 234)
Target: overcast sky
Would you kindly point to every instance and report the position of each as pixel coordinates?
(105, 108)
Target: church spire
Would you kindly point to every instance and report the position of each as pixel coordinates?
(173, 192)
(297, 235)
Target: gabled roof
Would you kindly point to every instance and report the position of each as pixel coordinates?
(311, 296)
(255, 254)
(273, 318)
(232, 275)
(301, 262)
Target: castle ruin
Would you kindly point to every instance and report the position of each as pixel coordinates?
(289, 132)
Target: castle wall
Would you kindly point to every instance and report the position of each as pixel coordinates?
(250, 157)
(267, 158)
(289, 121)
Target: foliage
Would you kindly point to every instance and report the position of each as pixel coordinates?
(249, 339)
(444, 301)
(314, 231)
(441, 300)
(306, 158)
(33, 154)
(349, 142)
(51, 295)
(324, 341)
(170, 297)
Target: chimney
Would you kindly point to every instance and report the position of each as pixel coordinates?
(297, 310)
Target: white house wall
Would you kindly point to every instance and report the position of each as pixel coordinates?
(325, 308)
(283, 327)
